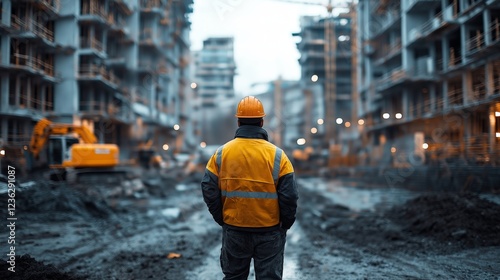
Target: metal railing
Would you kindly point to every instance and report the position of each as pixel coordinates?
(395, 76)
(93, 7)
(95, 71)
(421, 108)
(455, 96)
(388, 50)
(33, 26)
(478, 90)
(150, 4)
(92, 43)
(52, 5)
(18, 59)
(476, 42)
(98, 107)
(455, 58)
(494, 29)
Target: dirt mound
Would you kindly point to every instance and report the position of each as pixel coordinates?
(449, 217)
(27, 268)
(48, 198)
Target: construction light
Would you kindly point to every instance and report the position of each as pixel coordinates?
(339, 120)
(314, 130)
(399, 116)
(165, 147)
(2, 152)
(497, 114)
(386, 116)
(194, 85)
(361, 122)
(393, 149)
(314, 78)
(203, 144)
(301, 141)
(320, 121)
(425, 146)
(177, 127)
(347, 124)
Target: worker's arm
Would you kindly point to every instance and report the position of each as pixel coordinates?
(211, 192)
(287, 199)
(287, 194)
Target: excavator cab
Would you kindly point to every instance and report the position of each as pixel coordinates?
(59, 149)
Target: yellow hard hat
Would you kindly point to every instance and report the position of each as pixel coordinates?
(249, 108)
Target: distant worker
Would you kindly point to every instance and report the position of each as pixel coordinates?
(250, 190)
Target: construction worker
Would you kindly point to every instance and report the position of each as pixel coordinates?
(250, 190)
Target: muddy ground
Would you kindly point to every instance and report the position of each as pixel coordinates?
(157, 227)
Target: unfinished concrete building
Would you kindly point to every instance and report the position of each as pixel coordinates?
(214, 70)
(429, 81)
(326, 59)
(118, 66)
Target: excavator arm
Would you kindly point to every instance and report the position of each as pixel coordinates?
(44, 128)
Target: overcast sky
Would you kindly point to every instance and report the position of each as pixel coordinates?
(264, 45)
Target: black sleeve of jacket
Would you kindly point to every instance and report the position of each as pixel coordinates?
(212, 195)
(287, 199)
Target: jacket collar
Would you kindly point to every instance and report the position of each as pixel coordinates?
(251, 131)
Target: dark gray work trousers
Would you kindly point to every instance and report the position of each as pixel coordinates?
(239, 247)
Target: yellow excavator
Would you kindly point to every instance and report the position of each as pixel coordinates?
(73, 150)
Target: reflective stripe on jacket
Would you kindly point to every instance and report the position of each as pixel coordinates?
(250, 194)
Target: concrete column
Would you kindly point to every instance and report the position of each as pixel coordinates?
(446, 52)
(3, 129)
(489, 79)
(5, 48)
(28, 93)
(17, 89)
(486, 23)
(42, 92)
(463, 42)
(404, 104)
(445, 95)
(4, 93)
(433, 98)
(466, 87)
(6, 12)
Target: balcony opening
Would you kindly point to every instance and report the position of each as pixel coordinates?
(454, 53)
(439, 56)
(475, 37)
(494, 26)
(49, 98)
(478, 84)
(455, 92)
(496, 76)
(439, 99)
(12, 91)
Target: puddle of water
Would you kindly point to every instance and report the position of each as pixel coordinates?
(358, 199)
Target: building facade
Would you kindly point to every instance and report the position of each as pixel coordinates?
(117, 66)
(326, 55)
(214, 70)
(430, 80)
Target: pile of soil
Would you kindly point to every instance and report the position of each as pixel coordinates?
(47, 198)
(451, 217)
(27, 268)
(437, 222)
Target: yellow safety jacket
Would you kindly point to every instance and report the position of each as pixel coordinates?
(247, 171)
